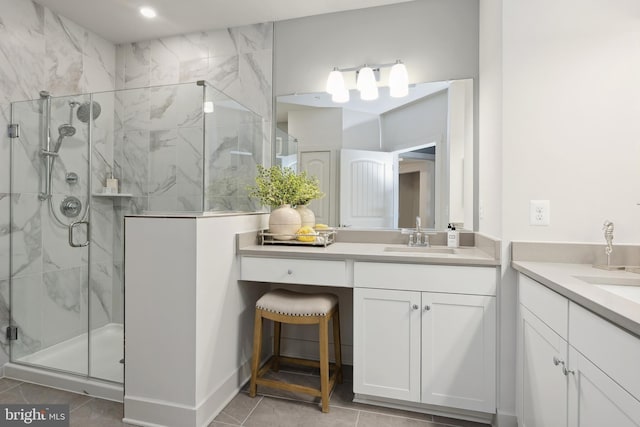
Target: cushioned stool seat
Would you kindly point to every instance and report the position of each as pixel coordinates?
(284, 306)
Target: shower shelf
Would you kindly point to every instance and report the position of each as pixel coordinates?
(112, 195)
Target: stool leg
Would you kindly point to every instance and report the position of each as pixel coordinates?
(324, 362)
(337, 348)
(257, 351)
(277, 327)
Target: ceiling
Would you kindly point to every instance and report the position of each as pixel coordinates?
(119, 20)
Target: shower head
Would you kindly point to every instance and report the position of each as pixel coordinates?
(83, 111)
(66, 130)
(63, 131)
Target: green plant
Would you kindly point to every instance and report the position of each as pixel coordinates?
(309, 189)
(277, 186)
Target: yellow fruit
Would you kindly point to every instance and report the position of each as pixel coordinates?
(321, 226)
(306, 234)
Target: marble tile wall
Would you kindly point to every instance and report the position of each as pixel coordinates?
(40, 50)
(162, 157)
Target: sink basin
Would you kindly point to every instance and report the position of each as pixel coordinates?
(609, 280)
(628, 288)
(420, 249)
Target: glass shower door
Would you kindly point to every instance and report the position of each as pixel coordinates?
(50, 184)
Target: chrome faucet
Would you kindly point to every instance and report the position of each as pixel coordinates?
(417, 237)
(608, 236)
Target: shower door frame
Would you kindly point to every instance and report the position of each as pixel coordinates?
(44, 131)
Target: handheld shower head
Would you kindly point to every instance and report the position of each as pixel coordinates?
(63, 131)
(85, 107)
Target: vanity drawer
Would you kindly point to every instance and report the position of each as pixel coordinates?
(428, 278)
(549, 306)
(288, 270)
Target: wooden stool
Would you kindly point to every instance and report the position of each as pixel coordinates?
(283, 306)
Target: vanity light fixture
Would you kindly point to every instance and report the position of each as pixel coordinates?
(398, 80)
(148, 12)
(366, 84)
(335, 87)
(366, 81)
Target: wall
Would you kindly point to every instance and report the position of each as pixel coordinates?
(317, 128)
(559, 105)
(160, 165)
(571, 102)
(428, 119)
(437, 40)
(360, 131)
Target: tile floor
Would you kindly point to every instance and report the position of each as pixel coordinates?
(271, 408)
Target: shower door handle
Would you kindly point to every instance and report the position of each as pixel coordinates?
(72, 228)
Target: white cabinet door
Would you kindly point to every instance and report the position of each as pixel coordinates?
(595, 400)
(544, 385)
(386, 348)
(459, 351)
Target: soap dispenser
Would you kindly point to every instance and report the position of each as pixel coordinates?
(453, 237)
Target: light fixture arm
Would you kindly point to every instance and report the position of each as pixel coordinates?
(373, 66)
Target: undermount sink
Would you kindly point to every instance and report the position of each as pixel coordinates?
(628, 288)
(420, 249)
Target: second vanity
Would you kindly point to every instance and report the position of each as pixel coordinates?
(424, 319)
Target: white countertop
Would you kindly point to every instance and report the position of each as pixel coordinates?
(378, 252)
(563, 279)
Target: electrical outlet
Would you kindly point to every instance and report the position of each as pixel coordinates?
(539, 212)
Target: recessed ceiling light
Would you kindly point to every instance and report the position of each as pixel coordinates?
(147, 12)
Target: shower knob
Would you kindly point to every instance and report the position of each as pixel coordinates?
(70, 207)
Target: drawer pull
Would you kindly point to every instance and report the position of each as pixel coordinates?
(289, 272)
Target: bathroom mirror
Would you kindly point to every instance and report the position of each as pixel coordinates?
(382, 163)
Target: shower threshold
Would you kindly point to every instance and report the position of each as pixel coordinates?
(46, 366)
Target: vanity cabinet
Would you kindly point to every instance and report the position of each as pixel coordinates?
(420, 344)
(571, 364)
(544, 386)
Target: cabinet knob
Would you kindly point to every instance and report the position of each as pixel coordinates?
(557, 361)
(427, 307)
(415, 306)
(289, 272)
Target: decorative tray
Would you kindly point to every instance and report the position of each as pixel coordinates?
(323, 238)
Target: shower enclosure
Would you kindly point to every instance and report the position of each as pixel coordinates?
(175, 148)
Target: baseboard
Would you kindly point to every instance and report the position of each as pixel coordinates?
(154, 413)
(461, 414)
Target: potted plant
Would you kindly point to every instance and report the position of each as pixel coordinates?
(309, 189)
(278, 188)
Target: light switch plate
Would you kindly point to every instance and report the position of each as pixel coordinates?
(539, 212)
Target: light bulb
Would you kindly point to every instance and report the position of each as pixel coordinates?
(207, 107)
(335, 82)
(341, 96)
(147, 12)
(367, 85)
(398, 81)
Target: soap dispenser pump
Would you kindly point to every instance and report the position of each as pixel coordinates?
(453, 237)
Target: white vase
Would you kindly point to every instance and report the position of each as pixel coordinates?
(306, 215)
(284, 222)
